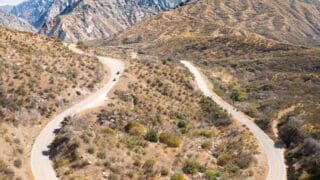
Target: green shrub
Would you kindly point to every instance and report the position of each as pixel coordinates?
(133, 141)
(212, 174)
(152, 136)
(233, 168)
(252, 110)
(192, 167)
(177, 177)
(208, 133)
(169, 140)
(214, 114)
(182, 124)
(238, 95)
(135, 128)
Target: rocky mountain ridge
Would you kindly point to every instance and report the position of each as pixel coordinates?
(33, 11)
(74, 20)
(10, 21)
(88, 19)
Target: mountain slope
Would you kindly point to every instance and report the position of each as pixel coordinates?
(288, 21)
(33, 11)
(9, 21)
(88, 19)
(252, 62)
(38, 77)
(6, 8)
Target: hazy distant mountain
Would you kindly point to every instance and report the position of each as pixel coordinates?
(10, 21)
(6, 8)
(34, 11)
(88, 19)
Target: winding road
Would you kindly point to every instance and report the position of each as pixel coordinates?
(41, 165)
(275, 156)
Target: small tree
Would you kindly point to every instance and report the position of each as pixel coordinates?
(152, 136)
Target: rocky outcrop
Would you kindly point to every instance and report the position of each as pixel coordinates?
(74, 20)
(33, 11)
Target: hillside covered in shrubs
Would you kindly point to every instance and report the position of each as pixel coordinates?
(38, 77)
(157, 125)
(269, 76)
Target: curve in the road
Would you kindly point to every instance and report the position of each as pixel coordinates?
(275, 156)
(41, 165)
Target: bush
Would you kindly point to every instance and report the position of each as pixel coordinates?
(192, 167)
(91, 150)
(182, 124)
(206, 145)
(244, 160)
(165, 171)
(233, 168)
(152, 136)
(148, 165)
(133, 141)
(252, 111)
(208, 133)
(177, 177)
(137, 163)
(108, 131)
(212, 174)
(17, 163)
(212, 113)
(238, 95)
(223, 159)
(101, 155)
(169, 140)
(135, 128)
(263, 123)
